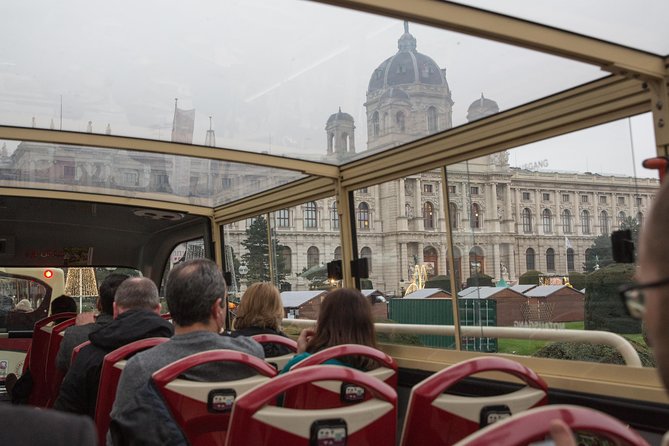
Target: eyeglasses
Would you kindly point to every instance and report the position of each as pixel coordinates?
(634, 299)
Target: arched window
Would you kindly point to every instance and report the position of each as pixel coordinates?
(428, 215)
(337, 253)
(639, 218)
(375, 124)
(399, 120)
(476, 261)
(566, 221)
(526, 218)
(570, 259)
(475, 217)
(432, 124)
(366, 253)
(334, 217)
(286, 260)
(386, 123)
(431, 259)
(550, 259)
(585, 222)
(621, 218)
(344, 142)
(529, 259)
(363, 216)
(603, 223)
(453, 214)
(547, 221)
(310, 215)
(312, 257)
(283, 218)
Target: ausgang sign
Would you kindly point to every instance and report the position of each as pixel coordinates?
(535, 165)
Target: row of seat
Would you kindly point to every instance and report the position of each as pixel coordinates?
(330, 404)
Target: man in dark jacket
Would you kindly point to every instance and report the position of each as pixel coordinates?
(78, 333)
(137, 316)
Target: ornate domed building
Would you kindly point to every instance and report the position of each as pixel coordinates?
(408, 97)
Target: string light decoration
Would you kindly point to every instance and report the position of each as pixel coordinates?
(81, 282)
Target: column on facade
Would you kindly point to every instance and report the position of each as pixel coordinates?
(496, 259)
(421, 259)
(402, 254)
(466, 210)
(537, 210)
(516, 193)
(594, 227)
(512, 261)
(419, 206)
(492, 214)
(507, 202)
(401, 211)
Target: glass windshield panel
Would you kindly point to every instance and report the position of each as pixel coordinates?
(617, 21)
(533, 226)
(289, 248)
(134, 174)
(246, 77)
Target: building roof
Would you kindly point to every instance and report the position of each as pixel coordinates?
(426, 292)
(483, 292)
(547, 290)
(407, 66)
(368, 293)
(293, 299)
(481, 108)
(339, 116)
(522, 288)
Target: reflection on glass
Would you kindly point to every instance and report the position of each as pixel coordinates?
(136, 174)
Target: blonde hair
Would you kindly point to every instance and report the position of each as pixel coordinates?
(261, 306)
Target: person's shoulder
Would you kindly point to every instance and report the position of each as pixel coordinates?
(31, 426)
(243, 344)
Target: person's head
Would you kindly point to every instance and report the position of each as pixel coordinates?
(345, 317)
(24, 305)
(108, 291)
(261, 306)
(653, 267)
(195, 292)
(63, 304)
(136, 293)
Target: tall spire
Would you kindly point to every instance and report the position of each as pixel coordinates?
(210, 138)
(108, 129)
(407, 42)
(89, 127)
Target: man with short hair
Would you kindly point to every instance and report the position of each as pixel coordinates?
(195, 294)
(650, 295)
(78, 333)
(136, 310)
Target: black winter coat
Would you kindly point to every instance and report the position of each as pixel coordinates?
(79, 391)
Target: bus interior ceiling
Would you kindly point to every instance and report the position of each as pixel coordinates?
(46, 232)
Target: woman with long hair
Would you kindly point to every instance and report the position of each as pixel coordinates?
(261, 312)
(345, 317)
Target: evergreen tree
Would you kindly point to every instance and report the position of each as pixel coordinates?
(257, 254)
(601, 252)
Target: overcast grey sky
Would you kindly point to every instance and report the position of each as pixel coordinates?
(271, 72)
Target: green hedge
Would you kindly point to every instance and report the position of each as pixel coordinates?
(577, 351)
(577, 280)
(441, 282)
(604, 309)
(480, 280)
(531, 277)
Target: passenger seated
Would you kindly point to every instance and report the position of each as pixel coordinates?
(261, 312)
(136, 312)
(19, 389)
(195, 294)
(78, 333)
(24, 306)
(38, 427)
(345, 317)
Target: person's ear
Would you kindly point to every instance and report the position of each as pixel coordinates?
(115, 310)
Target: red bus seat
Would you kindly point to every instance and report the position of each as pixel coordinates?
(202, 409)
(533, 425)
(277, 361)
(167, 316)
(112, 366)
(436, 418)
(54, 376)
(332, 394)
(373, 422)
(77, 349)
(39, 351)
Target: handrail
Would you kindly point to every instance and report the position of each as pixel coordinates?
(619, 343)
